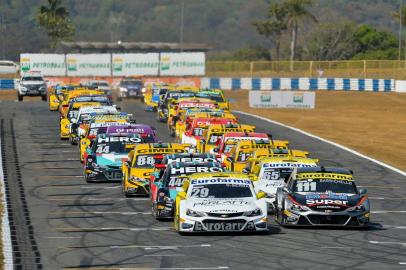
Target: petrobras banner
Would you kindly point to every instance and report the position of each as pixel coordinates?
(130, 64)
(182, 64)
(47, 64)
(133, 64)
(299, 100)
(282, 99)
(88, 64)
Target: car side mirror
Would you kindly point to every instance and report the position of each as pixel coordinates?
(73, 120)
(261, 195)
(230, 159)
(216, 150)
(363, 191)
(203, 141)
(245, 170)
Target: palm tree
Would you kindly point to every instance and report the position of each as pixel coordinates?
(274, 26)
(55, 19)
(296, 12)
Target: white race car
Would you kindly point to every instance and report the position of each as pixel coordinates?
(220, 202)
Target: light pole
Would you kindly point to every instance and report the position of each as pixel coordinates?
(2, 28)
(182, 11)
(400, 28)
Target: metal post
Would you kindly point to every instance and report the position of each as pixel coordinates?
(182, 11)
(400, 28)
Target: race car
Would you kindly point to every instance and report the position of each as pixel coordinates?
(166, 184)
(220, 202)
(169, 100)
(83, 118)
(137, 170)
(268, 174)
(72, 112)
(55, 95)
(106, 155)
(230, 139)
(69, 97)
(322, 196)
(214, 133)
(185, 122)
(153, 95)
(95, 128)
(244, 149)
(177, 113)
(195, 130)
(215, 95)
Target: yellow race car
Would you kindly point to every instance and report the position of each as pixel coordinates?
(141, 163)
(217, 96)
(56, 94)
(238, 157)
(153, 95)
(212, 136)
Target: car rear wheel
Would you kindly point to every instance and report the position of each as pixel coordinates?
(44, 98)
(20, 97)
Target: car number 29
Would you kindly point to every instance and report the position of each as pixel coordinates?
(200, 192)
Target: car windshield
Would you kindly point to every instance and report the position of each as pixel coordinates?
(173, 175)
(272, 174)
(324, 186)
(32, 78)
(176, 95)
(214, 97)
(132, 82)
(221, 191)
(110, 147)
(92, 99)
(73, 113)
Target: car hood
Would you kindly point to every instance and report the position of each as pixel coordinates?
(115, 159)
(270, 186)
(221, 205)
(33, 83)
(327, 201)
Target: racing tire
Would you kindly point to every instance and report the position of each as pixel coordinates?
(44, 98)
(72, 142)
(20, 97)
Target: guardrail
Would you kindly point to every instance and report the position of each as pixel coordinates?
(354, 84)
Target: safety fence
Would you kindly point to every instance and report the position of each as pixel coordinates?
(353, 84)
(385, 69)
(375, 85)
(7, 84)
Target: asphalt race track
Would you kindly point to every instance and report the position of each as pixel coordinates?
(80, 225)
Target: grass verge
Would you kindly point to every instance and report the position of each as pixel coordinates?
(371, 123)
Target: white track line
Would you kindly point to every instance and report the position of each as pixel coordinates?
(5, 225)
(326, 141)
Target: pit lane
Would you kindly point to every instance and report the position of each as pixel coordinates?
(80, 225)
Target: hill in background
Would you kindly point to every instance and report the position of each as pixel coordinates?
(227, 24)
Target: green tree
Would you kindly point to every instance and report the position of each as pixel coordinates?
(274, 26)
(332, 41)
(55, 19)
(296, 12)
